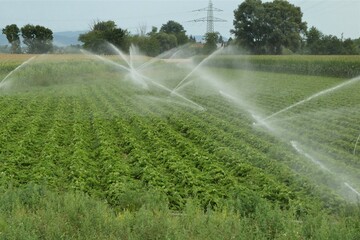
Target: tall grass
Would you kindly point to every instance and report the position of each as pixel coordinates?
(33, 212)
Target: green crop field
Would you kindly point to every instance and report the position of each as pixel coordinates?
(225, 150)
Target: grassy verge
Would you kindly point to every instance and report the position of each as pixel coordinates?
(33, 212)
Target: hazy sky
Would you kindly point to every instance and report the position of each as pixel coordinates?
(329, 16)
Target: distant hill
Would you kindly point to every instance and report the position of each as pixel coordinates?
(3, 40)
(62, 39)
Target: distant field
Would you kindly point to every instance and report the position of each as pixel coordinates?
(75, 123)
(331, 66)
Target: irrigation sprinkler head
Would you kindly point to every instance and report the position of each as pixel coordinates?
(257, 119)
(143, 80)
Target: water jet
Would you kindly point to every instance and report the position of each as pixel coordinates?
(323, 92)
(196, 68)
(295, 145)
(142, 79)
(15, 70)
(352, 188)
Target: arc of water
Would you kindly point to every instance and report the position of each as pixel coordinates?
(182, 86)
(351, 188)
(120, 53)
(174, 53)
(195, 69)
(176, 94)
(129, 59)
(131, 55)
(313, 96)
(169, 90)
(159, 57)
(302, 152)
(117, 65)
(106, 60)
(240, 102)
(222, 93)
(295, 145)
(143, 77)
(16, 69)
(356, 143)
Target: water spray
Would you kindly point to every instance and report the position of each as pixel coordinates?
(131, 55)
(196, 68)
(317, 162)
(15, 70)
(122, 67)
(136, 73)
(238, 102)
(201, 108)
(314, 96)
(294, 144)
(120, 53)
(351, 188)
(247, 108)
(170, 52)
(260, 122)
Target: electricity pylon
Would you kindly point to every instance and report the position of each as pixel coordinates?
(210, 19)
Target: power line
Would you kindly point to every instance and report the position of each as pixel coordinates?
(209, 19)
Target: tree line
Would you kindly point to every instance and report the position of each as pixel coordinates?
(38, 39)
(277, 27)
(259, 28)
(171, 34)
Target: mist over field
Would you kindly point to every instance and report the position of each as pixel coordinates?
(156, 135)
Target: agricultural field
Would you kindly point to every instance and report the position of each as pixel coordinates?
(218, 136)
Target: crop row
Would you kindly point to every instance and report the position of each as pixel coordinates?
(108, 138)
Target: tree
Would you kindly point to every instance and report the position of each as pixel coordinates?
(357, 45)
(313, 40)
(102, 32)
(221, 40)
(331, 45)
(285, 26)
(230, 41)
(318, 43)
(175, 28)
(155, 42)
(192, 39)
(211, 39)
(166, 41)
(349, 47)
(269, 27)
(249, 27)
(12, 33)
(37, 38)
(147, 44)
